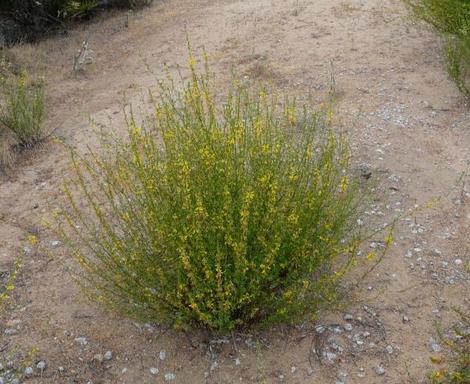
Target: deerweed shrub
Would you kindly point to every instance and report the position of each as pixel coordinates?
(220, 216)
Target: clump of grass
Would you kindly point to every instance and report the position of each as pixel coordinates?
(21, 114)
(457, 363)
(452, 19)
(219, 216)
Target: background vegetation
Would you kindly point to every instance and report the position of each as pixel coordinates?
(452, 19)
(26, 20)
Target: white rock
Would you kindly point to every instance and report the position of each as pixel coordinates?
(81, 340)
(162, 355)
(28, 371)
(41, 365)
(154, 371)
(108, 355)
(170, 376)
(379, 370)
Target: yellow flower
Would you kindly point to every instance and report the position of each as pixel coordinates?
(33, 240)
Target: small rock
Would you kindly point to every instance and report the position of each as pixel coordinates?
(310, 371)
(154, 371)
(214, 366)
(81, 340)
(458, 261)
(98, 358)
(406, 319)
(237, 361)
(293, 370)
(108, 355)
(28, 371)
(10, 364)
(379, 370)
(389, 349)
(162, 355)
(10, 331)
(348, 327)
(55, 243)
(61, 369)
(170, 376)
(348, 317)
(124, 370)
(41, 365)
(436, 348)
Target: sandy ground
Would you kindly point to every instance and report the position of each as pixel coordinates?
(406, 120)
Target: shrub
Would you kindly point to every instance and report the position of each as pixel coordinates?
(452, 19)
(215, 216)
(22, 110)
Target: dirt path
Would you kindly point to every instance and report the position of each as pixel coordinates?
(406, 120)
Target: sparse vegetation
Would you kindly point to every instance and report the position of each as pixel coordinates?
(452, 19)
(21, 115)
(457, 362)
(220, 217)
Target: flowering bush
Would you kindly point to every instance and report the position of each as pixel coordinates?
(215, 216)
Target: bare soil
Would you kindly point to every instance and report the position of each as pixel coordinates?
(406, 120)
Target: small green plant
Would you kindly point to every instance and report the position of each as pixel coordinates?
(452, 19)
(22, 110)
(215, 216)
(457, 363)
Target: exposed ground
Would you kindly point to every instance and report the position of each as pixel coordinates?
(406, 119)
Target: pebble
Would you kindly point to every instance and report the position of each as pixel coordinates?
(108, 355)
(170, 376)
(458, 261)
(348, 317)
(237, 361)
(124, 370)
(55, 243)
(154, 371)
(293, 370)
(41, 365)
(28, 371)
(81, 340)
(162, 355)
(10, 331)
(61, 369)
(348, 327)
(379, 370)
(406, 319)
(310, 371)
(389, 349)
(436, 348)
(98, 358)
